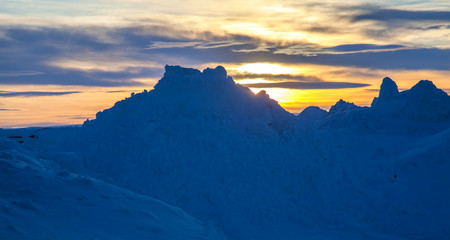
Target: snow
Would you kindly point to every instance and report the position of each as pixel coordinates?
(342, 106)
(241, 163)
(313, 113)
(37, 201)
(423, 102)
(388, 89)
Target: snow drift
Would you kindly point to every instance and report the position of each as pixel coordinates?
(205, 144)
(37, 201)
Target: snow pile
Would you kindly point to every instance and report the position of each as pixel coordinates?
(223, 154)
(39, 202)
(423, 108)
(313, 113)
(342, 106)
(189, 93)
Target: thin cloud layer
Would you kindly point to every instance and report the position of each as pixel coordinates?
(19, 74)
(33, 94)
(313, 50)
(386, 15)
(307, 85)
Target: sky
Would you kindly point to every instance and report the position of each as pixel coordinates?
(63, 61)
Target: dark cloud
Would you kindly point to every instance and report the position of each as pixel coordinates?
(33, 94)
(321, 29)
(118, 91)
(307, 85)
(81, 117)
(372, 90)
(76, 116)
(314, 50)
(9, 109)
(276, 77)
(434, 27)
(386, 15)
(19, 74)
(27, 52)
(57, 76)
(362, 47)
(410, 59)
(369, 73)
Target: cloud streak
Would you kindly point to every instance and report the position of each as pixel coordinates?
(307, 85)
(19, 74)
(314, 50)
(276, 77)
(33, 94)
(386, 15)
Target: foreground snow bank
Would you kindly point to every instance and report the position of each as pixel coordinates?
(37, 202)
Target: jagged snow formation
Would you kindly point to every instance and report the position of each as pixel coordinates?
(205, 144)
(423, 102)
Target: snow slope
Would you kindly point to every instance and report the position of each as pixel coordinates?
(39, 202)
(237, 159)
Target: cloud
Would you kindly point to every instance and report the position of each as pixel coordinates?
(386, 15)
(409, 59)
(33, 94)
(276, 77)
(119, 56)
(218, 44)
(9, 109)
(119, 91)
(434, 27)
(314, 50)
(160, 44)
(77, 78)
(77, 116)
(363, 47)
(101, 64)
(307, 85)
(76, 56)
(19, 74)
(194, 44)
(260, 48)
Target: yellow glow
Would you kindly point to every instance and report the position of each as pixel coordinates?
(75, 108)
(58, 110)
(265, 68)
(295, 100)
(279, 9)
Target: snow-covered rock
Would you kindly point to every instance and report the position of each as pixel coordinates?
(423, 102)
(342, 106)
(388, 89)
(313, 113)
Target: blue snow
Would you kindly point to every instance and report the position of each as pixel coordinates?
(237, 164)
